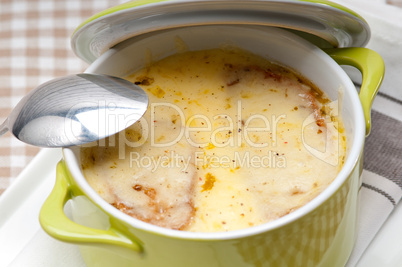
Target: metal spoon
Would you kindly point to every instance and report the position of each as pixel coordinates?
(75, 110)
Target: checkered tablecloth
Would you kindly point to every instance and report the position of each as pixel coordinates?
(34, 48)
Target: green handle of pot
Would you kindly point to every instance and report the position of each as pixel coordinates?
(372, 67)
(54, 221)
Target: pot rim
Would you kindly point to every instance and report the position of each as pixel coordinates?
(352, 160)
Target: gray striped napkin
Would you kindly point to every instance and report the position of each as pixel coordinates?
(381, 188)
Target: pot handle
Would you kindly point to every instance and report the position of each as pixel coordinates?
(372, 67)
(55, 222)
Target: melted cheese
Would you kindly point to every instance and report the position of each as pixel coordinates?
(229, 141)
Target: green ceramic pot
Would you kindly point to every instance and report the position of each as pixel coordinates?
(321, 233)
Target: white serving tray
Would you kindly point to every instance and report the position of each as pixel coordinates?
(24, 243)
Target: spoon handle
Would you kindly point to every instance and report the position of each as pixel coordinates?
(4, 127)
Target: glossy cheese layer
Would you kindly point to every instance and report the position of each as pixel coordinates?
(229, 141)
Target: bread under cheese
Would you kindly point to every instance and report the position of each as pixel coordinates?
(229, 141)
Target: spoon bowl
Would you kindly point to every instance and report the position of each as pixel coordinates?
(75, 110)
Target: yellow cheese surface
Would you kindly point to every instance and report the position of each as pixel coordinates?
(229, 141)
